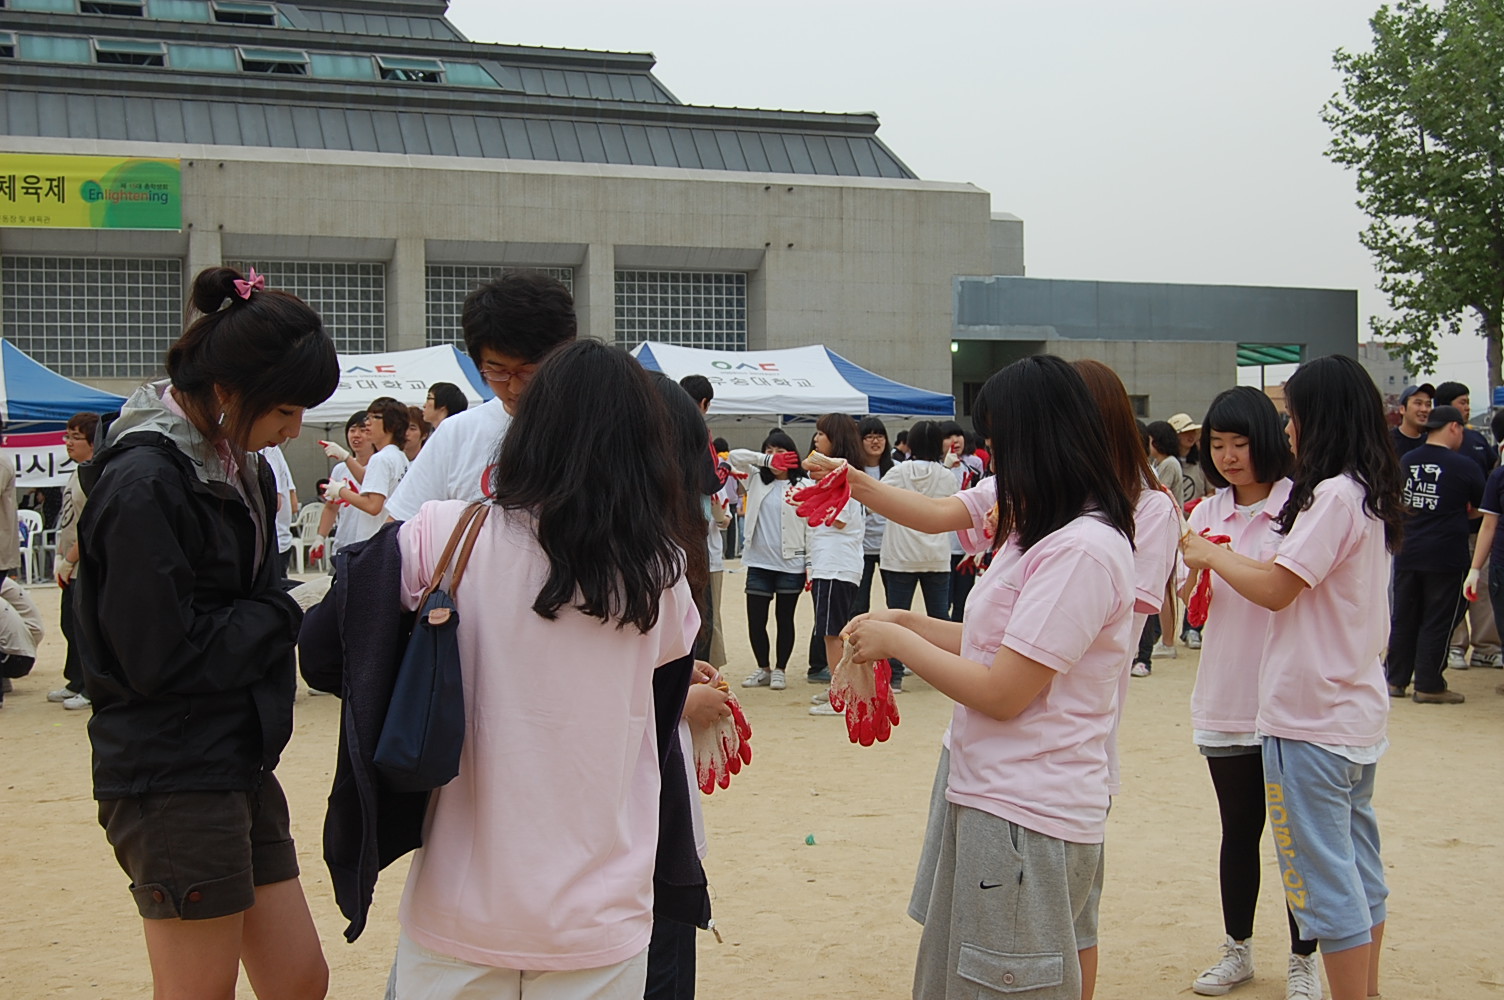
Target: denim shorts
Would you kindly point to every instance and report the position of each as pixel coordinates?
(767, 582)
(1327, 839)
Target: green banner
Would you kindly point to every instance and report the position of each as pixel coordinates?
(42, 190)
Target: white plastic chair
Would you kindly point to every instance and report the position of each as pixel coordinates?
(305, 529)
(29, 525)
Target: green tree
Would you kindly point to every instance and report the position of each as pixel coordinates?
(1420, 118)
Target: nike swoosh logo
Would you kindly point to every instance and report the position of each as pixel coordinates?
(988, 885)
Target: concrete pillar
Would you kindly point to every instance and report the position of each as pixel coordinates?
(595, 294)
(406, 307)
(204, 250)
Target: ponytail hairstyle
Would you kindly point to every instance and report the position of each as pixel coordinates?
(872, 425)
(260, 347)
(1340, 431)
(1249, 413)
(601, 484)
(845, 440)
(1119, 427)
(1045, 481)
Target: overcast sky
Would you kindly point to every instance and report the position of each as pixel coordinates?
(1171, 141)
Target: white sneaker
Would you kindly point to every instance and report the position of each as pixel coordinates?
(1193, 638)
(1163, 652)
(77, 702)
(1140, 669)
(1455, 659)
(820, 699)
(1487, 661)
(779, 681)
(824, 709)
(759, 679)
(60, 695)
(1234, 969)
(1303, 981)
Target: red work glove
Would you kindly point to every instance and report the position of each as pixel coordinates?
(967, 566)
(722, 749)
(1201, 598)
(823, 502)
(317, 552)
(784, 460)
(862, 691)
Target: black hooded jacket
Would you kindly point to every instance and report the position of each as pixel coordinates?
(186, 644)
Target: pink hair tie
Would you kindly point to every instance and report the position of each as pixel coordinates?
(245, 286)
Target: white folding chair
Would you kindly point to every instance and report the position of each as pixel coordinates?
(30, 526)
(305, 528)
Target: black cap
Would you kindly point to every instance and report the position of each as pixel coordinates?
(1410, 390)
(1443, 415)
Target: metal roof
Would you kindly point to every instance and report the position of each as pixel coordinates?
(560, 105)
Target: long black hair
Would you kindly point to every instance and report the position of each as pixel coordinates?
(602, 483)
(1249, 413)
(1340, 430)
(778, 438)
(872, 425)
(264, 349)
(1047, 480)
(845, 441)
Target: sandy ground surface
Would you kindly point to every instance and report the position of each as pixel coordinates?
(824, 920)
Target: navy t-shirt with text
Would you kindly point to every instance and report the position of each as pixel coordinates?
(1440, 485)
(1493, 503)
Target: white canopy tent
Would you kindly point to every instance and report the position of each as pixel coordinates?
(403, 375)
(792, 381)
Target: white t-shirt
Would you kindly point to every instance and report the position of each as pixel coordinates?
(872, 541)
(383, 472)
(765, 548)
(836, 553)
(455, 464)
(283, 475)
(344, 517)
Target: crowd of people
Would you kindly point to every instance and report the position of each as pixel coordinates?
(1052, 569)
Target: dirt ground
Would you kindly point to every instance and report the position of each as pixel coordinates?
(824, 919)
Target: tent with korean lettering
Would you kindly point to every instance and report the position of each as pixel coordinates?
(33, 397)
(791, 382)
(403, 375)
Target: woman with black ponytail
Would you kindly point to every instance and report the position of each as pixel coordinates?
(187, 644)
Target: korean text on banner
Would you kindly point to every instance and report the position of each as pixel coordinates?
(39, 459)
(90, 192)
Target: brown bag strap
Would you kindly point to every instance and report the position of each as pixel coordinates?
(459, 568)
(466, 518)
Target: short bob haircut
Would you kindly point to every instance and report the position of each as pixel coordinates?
(265, 350)
(393, 416)
(1338, 418)
(699, 388)
(1249, 413)
(1046, 481)
(1120, 434)
(448, 397)
(1164, 438)
(926, 441)
(778, 438)
(518, 314)
(872, 425)
(600, 484)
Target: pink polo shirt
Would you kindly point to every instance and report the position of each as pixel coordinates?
(979, 501)
(1321, 680)
(1066, 603)
(539, 855)
(1226, 696)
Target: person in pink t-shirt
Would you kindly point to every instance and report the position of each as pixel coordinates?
(1323, 702)
(536, 873)
(1250, 459)
(1034, 669)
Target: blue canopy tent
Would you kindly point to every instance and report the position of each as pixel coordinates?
(33, 397)
(791, 382)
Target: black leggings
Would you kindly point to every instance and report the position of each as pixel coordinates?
(1240, 799)
(757, 627)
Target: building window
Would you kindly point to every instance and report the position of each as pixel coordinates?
(337, 67)
(446, 286)
(117, 52)
(93, 317)
(121, 8)
(237, 12)
(468, 75)
(50, 6)
(201, 57)
(7, 45)
(178, 10)
(411, 70)
(52, 48)
(281, 61)
(350, 297)
(1140, 406)
(687, 308)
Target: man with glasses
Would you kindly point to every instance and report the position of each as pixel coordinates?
(511, 323)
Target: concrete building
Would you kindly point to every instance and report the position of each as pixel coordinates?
(1387, 371)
